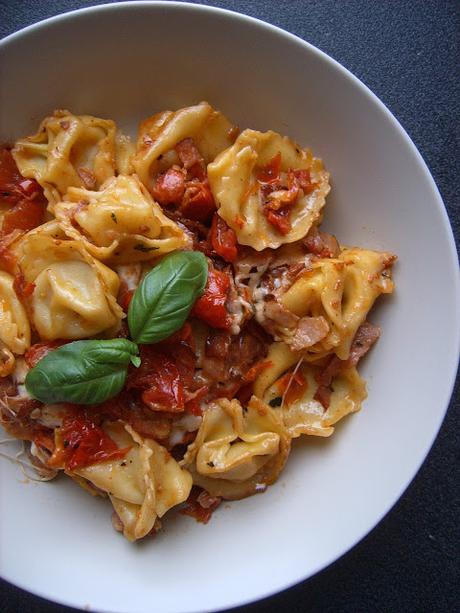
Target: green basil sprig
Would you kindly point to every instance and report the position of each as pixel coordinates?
(89, 372)
(83, 372)
(164, 299)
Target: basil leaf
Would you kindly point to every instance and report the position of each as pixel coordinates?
(82, 372)
(164, 299)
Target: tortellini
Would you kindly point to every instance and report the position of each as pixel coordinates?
(289, 304)
(237, 452)
(233, 179)
(143, 485)
(342, 290)
(74, 295)
(279, 358)
(120, 223)
(14, 324)
(211, 132)
(124, 152)
(68, 150)
(306, 415)
(7, 361)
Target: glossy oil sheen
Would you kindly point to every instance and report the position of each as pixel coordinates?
(128, 61)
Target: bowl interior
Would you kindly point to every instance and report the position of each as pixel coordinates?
(127, 62)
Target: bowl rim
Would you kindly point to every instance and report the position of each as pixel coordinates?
(451, 376)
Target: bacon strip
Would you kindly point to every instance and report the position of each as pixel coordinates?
(200, 505)
(366, 335)
(191, 158)
(321, 244)
(188, 153)
(298, 332)
(309, 331)
(232, 359)
(218, 344)
(170, 187)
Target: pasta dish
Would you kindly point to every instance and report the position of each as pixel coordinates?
(171, 313)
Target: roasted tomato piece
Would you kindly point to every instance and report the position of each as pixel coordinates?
(170, 187)
(25, 215)
(223, 239)
(160, 381)
(279, 220)
(24, 195)
(9, 178)
(81, 442)
(36, 352)
(271, 171)
(210, 308)
(198, 202)
(292, 386)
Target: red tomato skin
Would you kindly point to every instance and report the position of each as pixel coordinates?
(84, 443)
(38, 351)
(210, 307)
(223, 239)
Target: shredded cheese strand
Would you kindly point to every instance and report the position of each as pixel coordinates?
(291, 379)
(23, 464)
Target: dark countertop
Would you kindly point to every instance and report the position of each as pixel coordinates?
(408, 53)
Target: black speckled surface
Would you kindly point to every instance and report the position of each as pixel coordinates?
(408, 53)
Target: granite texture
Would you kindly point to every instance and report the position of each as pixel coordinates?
(408, 53)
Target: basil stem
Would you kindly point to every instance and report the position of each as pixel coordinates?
(166, 295)
(82, 372)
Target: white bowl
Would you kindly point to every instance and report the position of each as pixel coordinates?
(127, 61)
